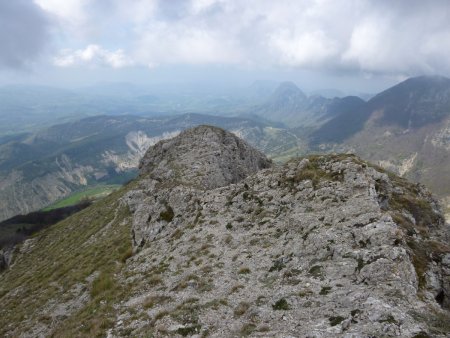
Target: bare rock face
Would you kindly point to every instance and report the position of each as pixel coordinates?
(326, 246)
(6, 256)
(206, 157)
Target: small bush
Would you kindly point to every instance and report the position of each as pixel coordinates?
(236, 288)
(281, 304)
(421, 334)
(325, 290)
(167, 215)
(154, 280)
(336, 320)
(316, 271)
(216, 303)
(304, 293)
(244, 271)
(228, 239)
(389, 319)
(160, 315)
(188, 330)
(177, 234)
(278, 265)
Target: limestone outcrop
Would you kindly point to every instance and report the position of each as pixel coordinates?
(323, 246)
(205, 157)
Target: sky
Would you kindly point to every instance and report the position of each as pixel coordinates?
(352, 45)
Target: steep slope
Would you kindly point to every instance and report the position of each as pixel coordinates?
(413, 103)
(405, 129)
(55, 162)
(325, 246)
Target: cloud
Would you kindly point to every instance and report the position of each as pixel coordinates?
(92, 55)
(305, 49)
(24, 33)
(358, 36)
(68, 11)
(161, 44)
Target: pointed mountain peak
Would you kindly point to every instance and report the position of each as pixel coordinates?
(288, 89)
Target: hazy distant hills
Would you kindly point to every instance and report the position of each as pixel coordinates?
(38, 169)
(31, 108)
(405, 128)
(288, 104)
(25, 109)
(413, 103)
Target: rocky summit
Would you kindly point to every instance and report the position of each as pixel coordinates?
(206, 157)
(213, 240)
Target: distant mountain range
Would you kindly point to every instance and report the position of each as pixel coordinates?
(288, 104)
(405, 129)
(411, 104)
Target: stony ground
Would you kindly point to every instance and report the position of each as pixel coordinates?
(302, 250)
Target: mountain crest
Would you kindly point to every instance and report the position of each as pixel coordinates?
(205, 156)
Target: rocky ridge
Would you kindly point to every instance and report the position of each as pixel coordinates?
(324, 246)
(338, 246)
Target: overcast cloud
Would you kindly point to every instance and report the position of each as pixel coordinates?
(23, 34)
(396, 38)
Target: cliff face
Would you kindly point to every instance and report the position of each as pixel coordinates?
(224, 244)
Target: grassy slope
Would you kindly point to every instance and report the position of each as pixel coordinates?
(94, 193)
(17, 229)
(76, 257)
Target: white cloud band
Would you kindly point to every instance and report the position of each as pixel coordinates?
(379, 36)
(92, 55)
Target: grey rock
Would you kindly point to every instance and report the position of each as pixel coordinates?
(6, 257)
(205, 156)
(353, 251)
